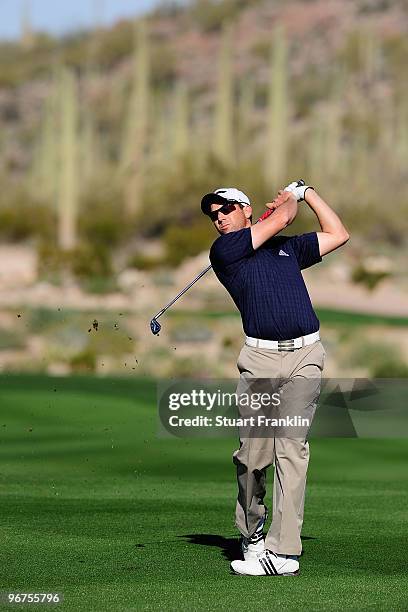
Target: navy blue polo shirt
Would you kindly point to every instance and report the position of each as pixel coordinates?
(266, 284)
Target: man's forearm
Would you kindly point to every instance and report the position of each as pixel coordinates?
(281, 218)
(329, 221)
(333, 234)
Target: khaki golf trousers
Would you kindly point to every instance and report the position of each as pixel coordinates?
(297, 376)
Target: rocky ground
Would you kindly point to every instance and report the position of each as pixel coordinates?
(191, 342)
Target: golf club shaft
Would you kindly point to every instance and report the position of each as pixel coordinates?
(163, 310)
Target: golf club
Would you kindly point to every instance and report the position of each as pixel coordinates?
(154, 324)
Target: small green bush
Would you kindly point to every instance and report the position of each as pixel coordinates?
(91, 260)
(391, 369)
(211, 14)
(84, 361)
(42, 318)
(182, 242)
(103, 221)
(114, 44)
(369, 278)
(100, 284)
(85, 261)
(21, 218)
(10, 339)
(383, 360)
(144, 262)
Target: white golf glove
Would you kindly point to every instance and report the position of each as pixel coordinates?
(297, 190)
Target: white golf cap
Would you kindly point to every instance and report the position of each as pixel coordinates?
(223, 195)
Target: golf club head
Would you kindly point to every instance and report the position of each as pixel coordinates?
(155, 326)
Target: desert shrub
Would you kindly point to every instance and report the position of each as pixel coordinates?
(42, 318)
(383, 360)
(182, 242)
(167, 8)
(104, 225)
(228, 342)
(369, 278)
(144, 262)
(19, 64)
(114, 44)
(84, 261)
(394, 368)
(103, 220)
(74, 51)
(89, 260)
(21, 217)
(211, 14)
(100, 284)
(84, 361)
(10, 339)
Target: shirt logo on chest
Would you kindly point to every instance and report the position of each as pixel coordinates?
(282, 252)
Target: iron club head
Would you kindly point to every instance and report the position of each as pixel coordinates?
(155, 326)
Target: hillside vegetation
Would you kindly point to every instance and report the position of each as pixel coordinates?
(110, 137)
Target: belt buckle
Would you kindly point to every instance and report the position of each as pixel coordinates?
(286, 345)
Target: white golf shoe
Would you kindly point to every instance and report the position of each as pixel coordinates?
(267, 564)
(251, 551)
(255, 545)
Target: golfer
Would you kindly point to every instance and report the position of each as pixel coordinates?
(262, 273)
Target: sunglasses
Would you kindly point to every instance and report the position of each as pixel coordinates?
(225, 209)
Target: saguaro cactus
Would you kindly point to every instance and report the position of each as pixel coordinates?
(316, 148)
(68, 188)
(401, 130)
(223, 137)
(245, 113)
(333, 126)
(278, 113)
(135, 138)
(181, 120)
(27, 35)
(45, 168)
(90, 147)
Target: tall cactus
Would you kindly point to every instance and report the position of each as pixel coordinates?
(333, 157)
(245, 113)
(401, 130)
(45, 168)
(27, 35)
(161, 137)
(224, 126)
(181, 120)
(90, 147)
(370, 55)
(278, 112)
(68, 189)
(135, 138)
(316, 148)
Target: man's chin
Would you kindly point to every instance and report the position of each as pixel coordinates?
(225, 230)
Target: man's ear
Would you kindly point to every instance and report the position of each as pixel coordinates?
(247, 211)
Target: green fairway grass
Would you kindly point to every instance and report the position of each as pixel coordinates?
(95, 506)
(327, 316)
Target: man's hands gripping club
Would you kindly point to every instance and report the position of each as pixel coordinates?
(282, 211)
(297, 188)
